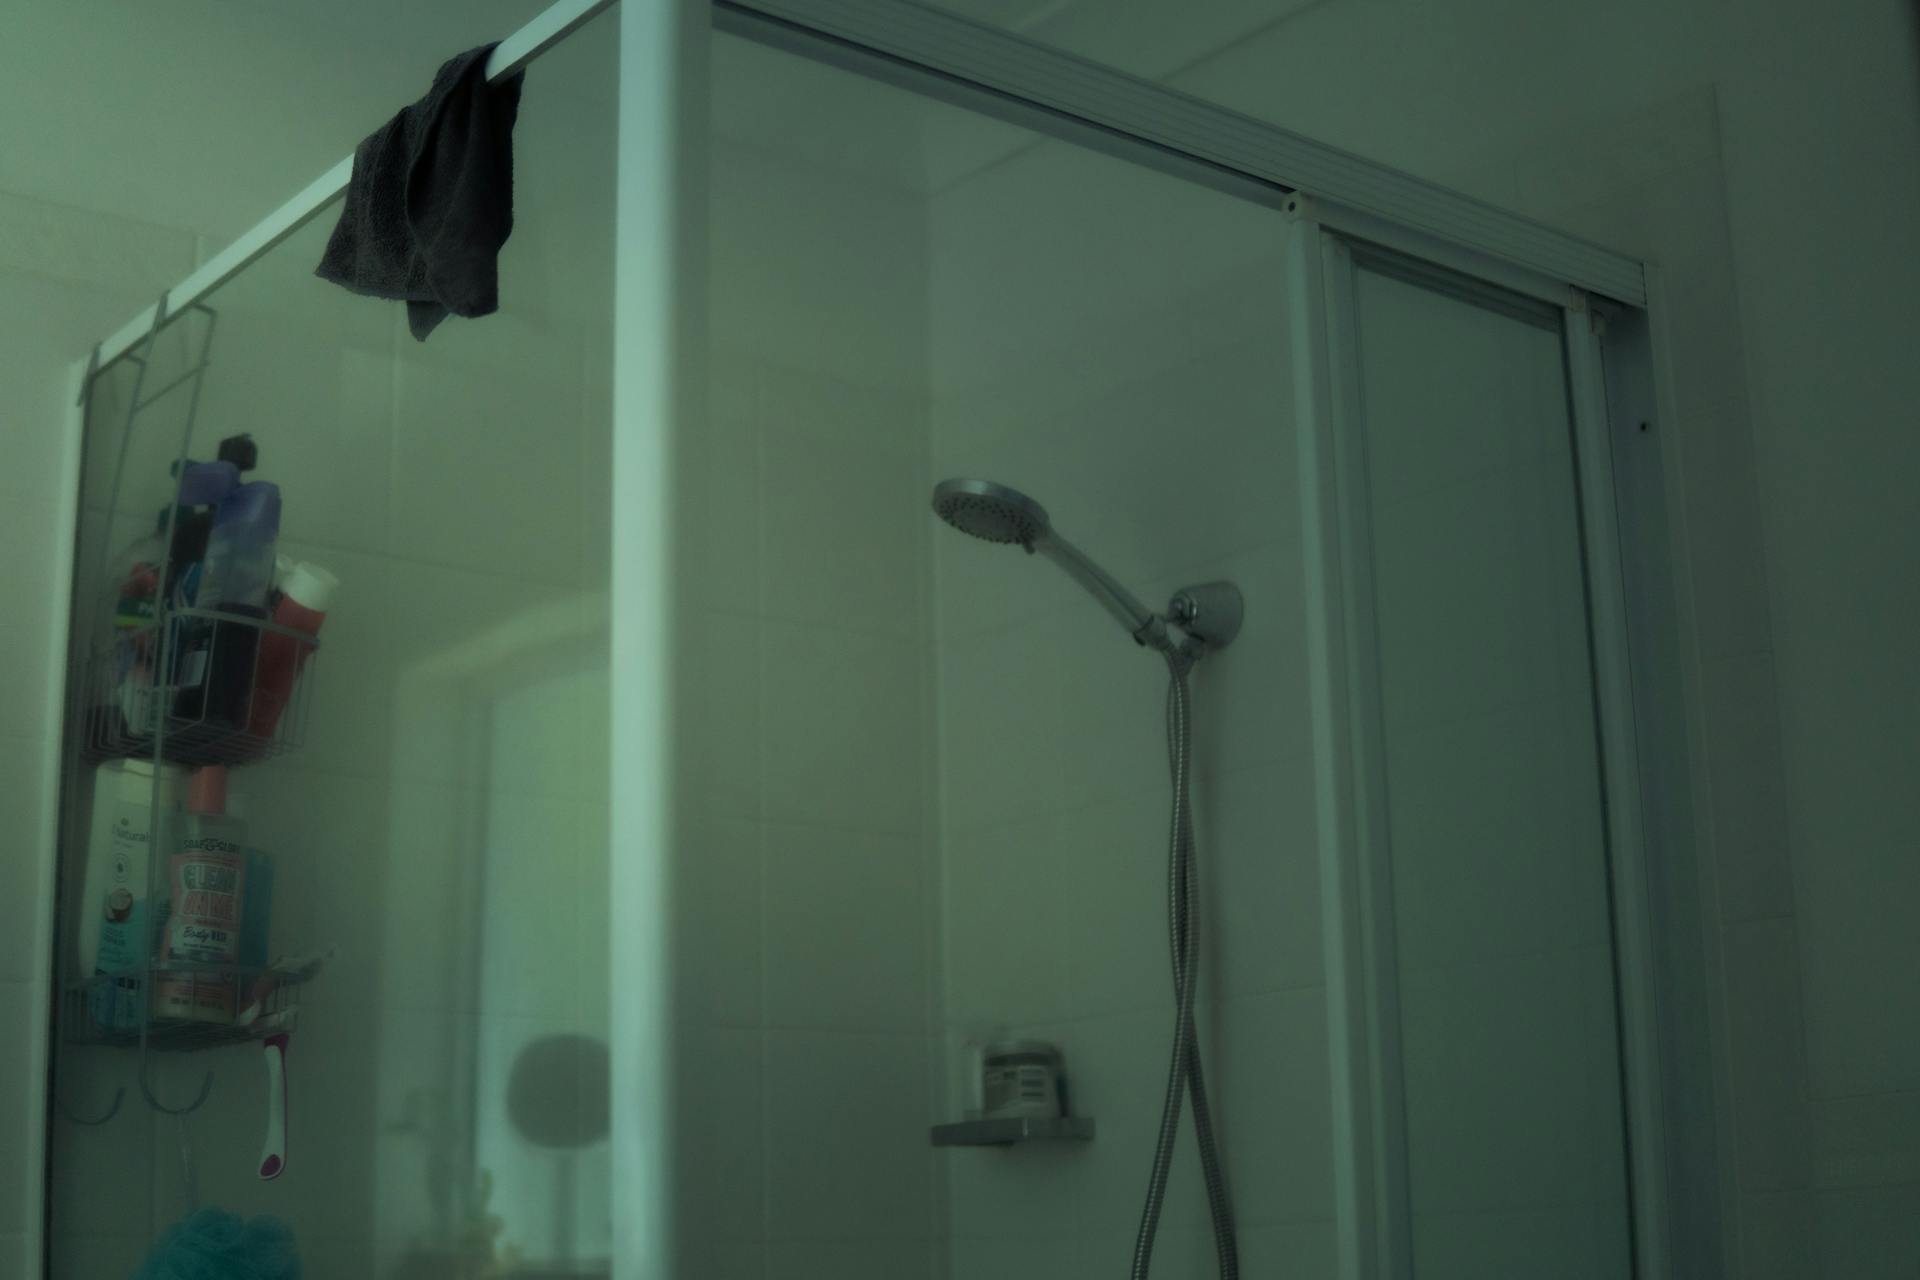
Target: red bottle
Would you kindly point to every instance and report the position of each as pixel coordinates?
(305, 593)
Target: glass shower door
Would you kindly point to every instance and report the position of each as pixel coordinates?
(1487, 872)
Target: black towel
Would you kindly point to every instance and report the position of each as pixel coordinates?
(431, 200)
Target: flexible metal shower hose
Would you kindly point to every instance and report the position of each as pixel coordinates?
(1185, 1078)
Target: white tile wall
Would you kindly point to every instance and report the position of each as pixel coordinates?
(1868, 1233)
(847, 1152)
(486, 463)
(720, 897)
(870, 971)
(820, 1260)
(1306, 1249)
(724, 1157)
(820, 505)
(97, 1255)
(1273, 1070)
(1867, 1141)
(1018, 1258)
(1840, 556)
(1119, 1062)
(843, 739)
(447, 627)
(1748, 810)
(1262, 887)
(109, 1165)
(22, 1004)
(1022, 968)
(1777, 1238)
(1767, 1067)
(32, 526)
(1002, 741)
(1728, 577)
(727, 522)
(1115, 345)
(723, 692)
(330, 422)
(27, 791)
(804, 949)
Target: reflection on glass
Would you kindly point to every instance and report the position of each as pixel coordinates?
(928, 783)
(438, 833)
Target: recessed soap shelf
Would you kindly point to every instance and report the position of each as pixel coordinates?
(1007, 1131)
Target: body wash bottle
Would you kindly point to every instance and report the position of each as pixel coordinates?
(206, 907)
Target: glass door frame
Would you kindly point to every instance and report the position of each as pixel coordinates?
(1325, 244)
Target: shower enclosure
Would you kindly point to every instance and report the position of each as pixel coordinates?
(676, 808)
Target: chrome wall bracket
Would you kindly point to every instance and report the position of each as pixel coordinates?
(1209, 612)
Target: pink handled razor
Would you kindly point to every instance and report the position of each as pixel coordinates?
(273, 1155)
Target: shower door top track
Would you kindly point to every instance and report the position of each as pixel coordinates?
(988, 69)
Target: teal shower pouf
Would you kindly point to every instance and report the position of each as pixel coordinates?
(212, 1245)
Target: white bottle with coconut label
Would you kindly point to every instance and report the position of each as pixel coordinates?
(114, 921)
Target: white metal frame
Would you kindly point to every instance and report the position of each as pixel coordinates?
(1629, 408)
(997, 70)
(659, 381)
(1366, 873)
(1369, 1212)
(1372, 1204)
(1634, 950)
(1325, 191)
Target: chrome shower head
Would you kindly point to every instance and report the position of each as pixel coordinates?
(1208, 614)
(996, 513)
(991, 511)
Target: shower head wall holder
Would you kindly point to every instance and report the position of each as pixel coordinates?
(1210, 613)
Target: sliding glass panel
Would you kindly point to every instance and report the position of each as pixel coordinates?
(930, 794)
(1509, 1049)
(430, 798)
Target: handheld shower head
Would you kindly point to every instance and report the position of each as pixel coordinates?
(990, 511)
(997, 513)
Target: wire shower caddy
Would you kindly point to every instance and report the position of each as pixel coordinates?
(136, 696)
